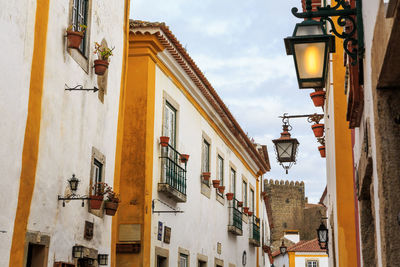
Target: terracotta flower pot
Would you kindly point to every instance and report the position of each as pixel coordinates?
(240, 203)
(95, 202)
(100, 66)
(229, 196)
(249, 213)
(215, 183)
(110, 207)
(322, 151)
(245, 210)
(164, 141)
(206, 176)
(318, 98)
(74, 39)
(221, 189)
(318, 129)
(184, 158)
(265, 248)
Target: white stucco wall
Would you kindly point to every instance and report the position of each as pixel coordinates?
(17, 20)
(302, 257)
(281, 261)
(369, 11)
(204, 221)
(72, 123)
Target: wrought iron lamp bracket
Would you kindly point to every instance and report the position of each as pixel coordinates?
(73, 197)
(346, 13)
(310, 118)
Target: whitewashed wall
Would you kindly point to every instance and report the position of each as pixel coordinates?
(281, 261)
(204, 221)
(72, 123)
(17, 20)
(369, 11)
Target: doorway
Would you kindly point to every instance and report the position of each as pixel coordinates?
(36, 255)
(161, 261)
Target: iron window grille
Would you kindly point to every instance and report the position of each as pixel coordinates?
(173, 170)
(80, 16)
(255, 228)
(235, 215)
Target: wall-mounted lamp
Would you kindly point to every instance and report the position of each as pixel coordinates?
(73, 185)
(285, 146)
(323, 238)
(310, 44)
(102, 259)
(283, 248)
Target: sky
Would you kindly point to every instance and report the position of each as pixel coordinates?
(239, 47)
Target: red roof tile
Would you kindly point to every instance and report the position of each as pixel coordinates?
(303, 246)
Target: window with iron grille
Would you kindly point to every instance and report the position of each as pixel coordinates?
(251, 200)
(312, 263)
(169, 125)
(220, 171)
(80, 9)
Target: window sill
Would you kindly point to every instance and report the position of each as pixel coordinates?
(205, 190)
(220, 198)
(245, 218)
(82, 61)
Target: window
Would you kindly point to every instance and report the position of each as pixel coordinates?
(80, 10)
(169, 125)
(251, 200)
(97, 175)
(183, 260)
(244, 193)
(312, 263)
(233, 182)
(205, 165)
(220, 171)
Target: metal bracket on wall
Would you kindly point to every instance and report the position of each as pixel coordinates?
(80, 88)
(173, 210)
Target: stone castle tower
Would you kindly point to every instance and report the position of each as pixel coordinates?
(290, 210)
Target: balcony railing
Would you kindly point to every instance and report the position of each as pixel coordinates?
(235, 218)
(254, 237)
(173, 174)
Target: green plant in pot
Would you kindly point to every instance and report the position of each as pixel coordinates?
(104, 54)
(74, 38)
(99, 189)
(111, 203)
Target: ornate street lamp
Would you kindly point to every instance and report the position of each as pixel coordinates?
(283, 248)
(310, 45)
(322, 233)
(73, 183)
(102, 259)
(286, 147)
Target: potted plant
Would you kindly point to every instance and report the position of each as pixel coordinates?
(265, 248)
(215, 183)
(74, 38)
(240, 204)
(322, 151)
(249, 213)
(206, 176)
(96, 199)
(229, 196)
(164, 141)
(104, 53)
(318, 97)
(111, 204)
(257, 220)
(221, 189)
(184, 158)
(245, 210)
(318, 129)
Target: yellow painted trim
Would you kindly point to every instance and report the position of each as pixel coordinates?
(204, 114)
(258, 213)
(120, 131)
(311, 255)
(292, 262)
(32, 134)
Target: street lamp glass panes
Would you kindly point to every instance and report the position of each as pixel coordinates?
(308, 30)
(310, 59)
(323, 235)
(284, 151)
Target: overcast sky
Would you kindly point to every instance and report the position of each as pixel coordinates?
(239, 47)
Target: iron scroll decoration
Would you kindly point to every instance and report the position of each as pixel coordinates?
(346, 14)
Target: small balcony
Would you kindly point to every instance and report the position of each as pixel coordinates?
(173, 174)
(254, 235)
(235, 218)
